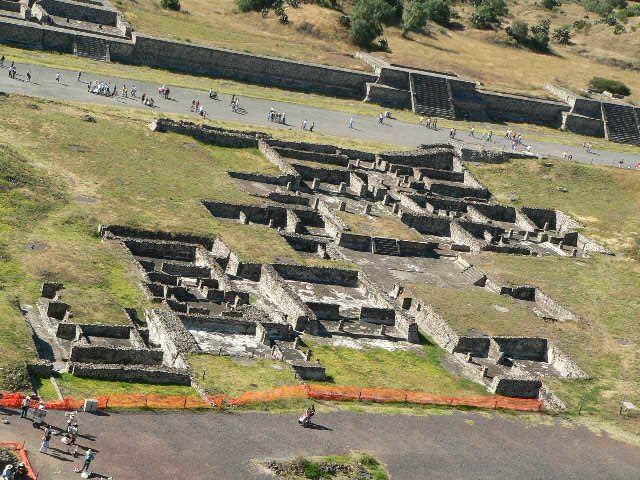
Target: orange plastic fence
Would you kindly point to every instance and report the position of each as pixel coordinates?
(21, 452)
(311, 391)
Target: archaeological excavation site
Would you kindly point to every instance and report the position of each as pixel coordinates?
(400, 227)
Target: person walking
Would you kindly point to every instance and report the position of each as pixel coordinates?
(313, 124)
(79, 75)
(24, 407)
(58, 77)
(88, 458)
(351, 122)
(44, 446)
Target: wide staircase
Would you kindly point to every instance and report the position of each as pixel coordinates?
(432, 96)
(91, 47)
(385, 246)
(621, 123)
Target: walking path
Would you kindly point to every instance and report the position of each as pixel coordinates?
(208, 445)
(254, 111)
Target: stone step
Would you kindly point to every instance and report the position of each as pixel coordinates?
(622, 123)
(91, 47)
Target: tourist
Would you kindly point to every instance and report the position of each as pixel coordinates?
(313, 124)
(434, 124)
(79, 75)
(88, 458)
(21, 472)
(2, 61)
(472, 132)
(24, 407)
(58, 77)
(564, 155)
(380, 118)
(46, 437)
(304, 124)
(8, 473)
(421, 121)
(133, 91)
(29, 76)
(213, 95)
(351, 122)
(489, 135)
(284, 118)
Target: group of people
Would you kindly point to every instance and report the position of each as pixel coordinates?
(15, 472)
(102, 88)
(307, 126)
(277, 117)
(384, 115)
(198, 108)
(588, 147)
(235, 104)
(430, 123)
(68, 437)
(164, 91)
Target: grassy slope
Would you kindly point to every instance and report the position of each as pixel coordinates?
(381, 225)
(602, 290)
(314, 34)
(372, 367)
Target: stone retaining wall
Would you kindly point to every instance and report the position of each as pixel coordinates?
(131, 373)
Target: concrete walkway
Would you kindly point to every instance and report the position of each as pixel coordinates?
(459, 445)
(254, 111)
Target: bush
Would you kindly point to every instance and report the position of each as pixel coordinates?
(600, 84)
(562, 35)
(313, 471)
(367, 19)
(550, 4)
(518, 30)
(488, 12)
(170, 5)
(414, 16)
(439, 11)
(253, 5)
(601, 7)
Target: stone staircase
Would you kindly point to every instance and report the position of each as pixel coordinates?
(91, 47)
(621, 123)
(432, 96)
(385, 246)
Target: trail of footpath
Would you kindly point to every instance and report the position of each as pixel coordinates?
(253, 112)
(136, 445)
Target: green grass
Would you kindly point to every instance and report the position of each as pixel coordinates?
(45, 388)
(601, 290)
(76, 387)
(312, 467)
(233, 376)
(474, 310)
(380, 368)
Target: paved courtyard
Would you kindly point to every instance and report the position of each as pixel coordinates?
(254, 110)
(459, 445)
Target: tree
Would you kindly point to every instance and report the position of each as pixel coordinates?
(170, 5)
(488, 12)
(562, 35)
(414, 16)
(439, 11)
(540, 35)
(253, 5)
(550, 4)
(367, 19)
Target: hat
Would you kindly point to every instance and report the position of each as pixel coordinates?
(21, 464)
(9, 466)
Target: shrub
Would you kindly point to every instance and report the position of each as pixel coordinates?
(313, 471)
(600, 84)
(540, 35)
(253, 5)
(367, 19)
(550, 4)
(488, 12)
(562, 35)
(439, 11)
(414, 16)
(601, 7)
(581, 25)
(518, 30)
(170, 5)
(619, 29)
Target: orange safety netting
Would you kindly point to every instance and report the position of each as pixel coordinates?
(21, 452)
(310, 391)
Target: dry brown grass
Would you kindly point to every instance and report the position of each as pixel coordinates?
(379, 225)
(315, 35)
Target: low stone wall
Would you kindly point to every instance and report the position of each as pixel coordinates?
(115, 355)
(40, 368)
(273, 287)
(388, 96)
(323, 148)
(325, 311)
(583, 125)
(132, 232)
(219, 324)
(81, 11)
(9, 6)
(208, 134)
(131, 373)
(434, 326)
(322, 275)
(281, 180)
(328, 175)
(428, 224)
(332, 223)
(166, 330)
(161, 249)
(361, 243)
(275, 158)
(523, 348)
(516, 387)
(319, 157)
(379, 316)
(440, 158)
